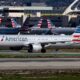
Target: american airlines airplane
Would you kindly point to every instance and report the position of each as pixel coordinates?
(9, 26)
(37, 42)
(45, 26)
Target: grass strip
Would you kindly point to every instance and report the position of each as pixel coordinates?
(30, 77)
(39, 55)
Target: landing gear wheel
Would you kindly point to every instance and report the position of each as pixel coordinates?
(57, 50)
(43, 50)
(29, 50)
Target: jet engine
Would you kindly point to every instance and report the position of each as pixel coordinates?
(36, 47)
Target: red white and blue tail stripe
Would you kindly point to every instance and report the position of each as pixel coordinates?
(76, 35)
(40, 23)
(14, 24)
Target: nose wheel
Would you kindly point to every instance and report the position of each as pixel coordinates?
(43, 50)
(30, 48)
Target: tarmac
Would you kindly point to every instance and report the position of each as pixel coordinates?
(39, 63)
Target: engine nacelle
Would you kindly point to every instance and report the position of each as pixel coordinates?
(36, 47)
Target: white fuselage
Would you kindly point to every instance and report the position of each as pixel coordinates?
(24, 40)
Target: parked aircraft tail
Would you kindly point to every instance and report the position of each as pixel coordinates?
(14, 23)
(50, 24)
(76, 35)
(38, 24)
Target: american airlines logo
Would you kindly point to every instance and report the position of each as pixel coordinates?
(6, 38)
(15, 38)
(2, 38)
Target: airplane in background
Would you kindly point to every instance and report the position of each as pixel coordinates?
(38, 42)
(39, 28)
(9, 26)
(45, 26)
(15, 24)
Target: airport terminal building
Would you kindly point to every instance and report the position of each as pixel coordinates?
(37, 8)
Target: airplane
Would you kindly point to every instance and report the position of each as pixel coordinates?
(8, 26)
(15, 24)
(28, 29)
(45, 26)
(33, 42)
(38, 42)
(74, 43)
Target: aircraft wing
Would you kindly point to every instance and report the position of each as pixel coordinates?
(66, 44)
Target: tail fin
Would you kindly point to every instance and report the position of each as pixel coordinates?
(50, 24)
(14, 23)
(26, 23)
(76, 35)
(39, 23)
